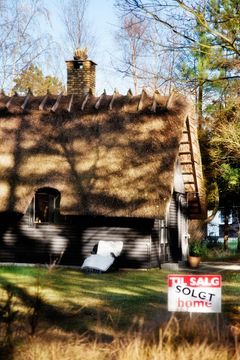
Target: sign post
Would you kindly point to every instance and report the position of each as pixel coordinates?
(195, 293)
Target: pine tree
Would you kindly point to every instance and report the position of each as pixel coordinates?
(33, 78)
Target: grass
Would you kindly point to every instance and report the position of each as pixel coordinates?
(115, 298)
(216, 252)
(219, 254)
(58, 313)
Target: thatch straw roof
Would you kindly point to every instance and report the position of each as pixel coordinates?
(109, 155)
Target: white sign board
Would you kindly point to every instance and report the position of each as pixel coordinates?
(195, 293)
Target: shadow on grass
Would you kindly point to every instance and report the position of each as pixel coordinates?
(122, 296)
(120, 306)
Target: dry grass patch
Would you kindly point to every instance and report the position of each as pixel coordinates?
(65, 314)
(171, 342)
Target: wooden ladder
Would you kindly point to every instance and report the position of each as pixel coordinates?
(189, 159)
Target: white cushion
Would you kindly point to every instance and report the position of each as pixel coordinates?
(108, 247)
(98, 262)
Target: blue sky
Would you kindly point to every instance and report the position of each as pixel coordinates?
(103, 16)
(104, 23)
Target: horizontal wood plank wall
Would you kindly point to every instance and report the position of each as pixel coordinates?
(74, 241)
(159, 248)
(173, 229)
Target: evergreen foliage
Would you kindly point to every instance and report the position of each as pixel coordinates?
(33, 78)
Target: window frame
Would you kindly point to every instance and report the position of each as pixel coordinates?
(51, 197)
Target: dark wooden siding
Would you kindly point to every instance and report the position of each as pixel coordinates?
(176, 226)
(172, 229)
(159, 246)
(169, 237)
(73, 241)
(183, 225)
(147, 242)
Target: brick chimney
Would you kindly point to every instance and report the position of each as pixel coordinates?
(81, 74)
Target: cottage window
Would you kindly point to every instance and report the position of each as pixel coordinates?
(44, 207)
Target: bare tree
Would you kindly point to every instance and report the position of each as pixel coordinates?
(76, 30)
(146, 57)
(219, 20)
(207, 46)
(133, 47)
(21, 39)
(160, 64)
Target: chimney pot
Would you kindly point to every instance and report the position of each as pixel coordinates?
(80, 54)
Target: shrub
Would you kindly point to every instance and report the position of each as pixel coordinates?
(196, 248)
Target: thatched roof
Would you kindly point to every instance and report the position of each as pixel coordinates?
(109, 155)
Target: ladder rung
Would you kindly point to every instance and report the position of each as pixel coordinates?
(186, 163)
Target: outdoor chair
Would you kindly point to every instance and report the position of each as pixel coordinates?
(105, 255)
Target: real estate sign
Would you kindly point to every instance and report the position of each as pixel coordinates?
(195, 293)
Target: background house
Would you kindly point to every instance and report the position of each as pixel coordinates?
(76, 168)
(225, 221)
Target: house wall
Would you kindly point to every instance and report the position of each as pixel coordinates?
(176, 223)
(74, 240)
(160, 251)
(215, 229)
(147, 242)
(177, 219)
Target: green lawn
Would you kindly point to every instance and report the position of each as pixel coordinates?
(72, 299)
(65, 307)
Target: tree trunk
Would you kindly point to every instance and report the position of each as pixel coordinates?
(200, 105)
(226, 229)
(238, 220)
(216, 205)
(238, 244)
